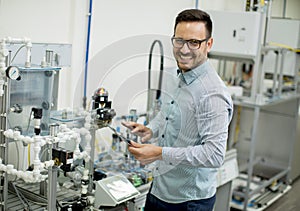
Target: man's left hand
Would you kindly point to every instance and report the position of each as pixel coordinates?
(145, 153)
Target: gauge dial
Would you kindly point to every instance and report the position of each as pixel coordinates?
(13, 73)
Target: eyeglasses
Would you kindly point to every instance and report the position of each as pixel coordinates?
(193, 44)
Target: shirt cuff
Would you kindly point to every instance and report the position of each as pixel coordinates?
(167, 155)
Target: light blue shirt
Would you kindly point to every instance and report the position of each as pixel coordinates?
(192, 128)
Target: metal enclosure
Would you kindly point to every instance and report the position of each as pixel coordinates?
(238, 33)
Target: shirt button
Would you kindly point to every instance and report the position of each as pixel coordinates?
(156, 168)
(162, 135)
(172, 102)
(167, 118)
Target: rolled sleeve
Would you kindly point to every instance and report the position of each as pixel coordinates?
(173, 156)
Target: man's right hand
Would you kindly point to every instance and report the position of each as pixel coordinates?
(140, 130)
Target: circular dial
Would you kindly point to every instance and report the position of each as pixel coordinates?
(13, 73)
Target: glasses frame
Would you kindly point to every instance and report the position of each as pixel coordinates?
(187, 41)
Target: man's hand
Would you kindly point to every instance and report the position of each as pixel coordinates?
(139, 130)
(145, 153)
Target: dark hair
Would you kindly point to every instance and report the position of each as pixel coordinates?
(195, 15)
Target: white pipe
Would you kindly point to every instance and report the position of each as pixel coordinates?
(36, 150)
(88, 120)
(27, 176)
(16, 135)
(77, 150)
(1, 86)
(24, 40)
(3, 54)
(38, 142)
(28, 54)
(65, 134)
(10, 40)
(88, 148)
(86, 153)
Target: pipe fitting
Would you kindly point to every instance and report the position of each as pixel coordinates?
(9, 133)
(16, 135)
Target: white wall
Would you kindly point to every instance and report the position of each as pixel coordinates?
(121, 35)
(41, 20)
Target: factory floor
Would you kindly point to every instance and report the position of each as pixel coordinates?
(290, 201)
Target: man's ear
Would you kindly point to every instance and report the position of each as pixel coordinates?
(209, 44)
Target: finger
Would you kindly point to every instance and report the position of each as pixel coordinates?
(134, 151)
(135, 144)
(137, 129)
(129, 125)
(146, 138)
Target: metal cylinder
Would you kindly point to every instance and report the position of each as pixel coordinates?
(53, 129)
(49, 57)
(8, 59)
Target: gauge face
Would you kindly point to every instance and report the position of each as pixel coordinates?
(13, 73)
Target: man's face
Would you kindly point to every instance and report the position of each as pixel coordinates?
(186, 58)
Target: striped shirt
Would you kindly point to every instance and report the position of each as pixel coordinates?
(192, 128)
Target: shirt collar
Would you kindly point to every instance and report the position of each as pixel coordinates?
(189, 76)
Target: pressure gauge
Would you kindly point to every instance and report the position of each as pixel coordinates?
(13, 73)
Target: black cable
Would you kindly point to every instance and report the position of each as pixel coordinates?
(161, 67)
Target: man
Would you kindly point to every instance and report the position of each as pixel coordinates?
(192, 127)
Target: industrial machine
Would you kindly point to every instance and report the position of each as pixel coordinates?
(258, 58)
(39, 149)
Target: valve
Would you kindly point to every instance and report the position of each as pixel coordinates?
(102, 107)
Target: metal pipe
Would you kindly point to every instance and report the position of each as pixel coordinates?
(90, 165)
(268, 198)
(8, 59)
(275, 75)
(284, 9)
(280, 84)
(87, 52)
(28, 55)
(251, 155)
(268, 18)
(224, 67)
(196, 4)
(258, 60)
(52, 187)
(6, 100)
(260, 200)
